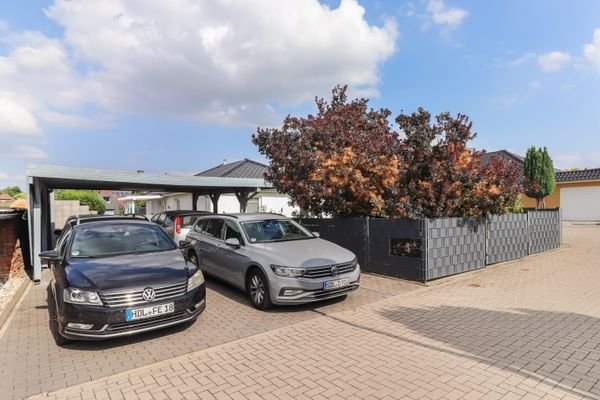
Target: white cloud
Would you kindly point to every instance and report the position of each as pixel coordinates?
(554, 61)
(506, 101)
(592, 50)
(29, 152)
(514, 62)
(16, 118)
(229, 62)
(449, 17)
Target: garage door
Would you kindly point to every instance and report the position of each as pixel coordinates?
(580, 204)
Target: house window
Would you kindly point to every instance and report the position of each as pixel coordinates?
(106, 198)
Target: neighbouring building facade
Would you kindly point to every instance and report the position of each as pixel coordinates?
(114, 206)
(267, 200)
(577, 192)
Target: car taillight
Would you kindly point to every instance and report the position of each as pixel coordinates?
(178, 225)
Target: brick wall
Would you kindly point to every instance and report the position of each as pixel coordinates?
(9, 235)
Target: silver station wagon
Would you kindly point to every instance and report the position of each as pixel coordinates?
(273, 258)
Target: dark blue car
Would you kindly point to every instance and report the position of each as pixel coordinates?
(117, 276)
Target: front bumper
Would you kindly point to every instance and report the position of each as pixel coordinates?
(312, 289)
(110, 322)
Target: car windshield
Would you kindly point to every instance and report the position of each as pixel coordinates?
(118, 239)
(275, 230)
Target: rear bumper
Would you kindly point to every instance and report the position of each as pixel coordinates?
(110, 322)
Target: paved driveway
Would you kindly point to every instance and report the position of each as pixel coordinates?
(528, 329)
(31, 363)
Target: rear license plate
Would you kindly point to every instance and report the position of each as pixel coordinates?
(338, 283)
(132, 314)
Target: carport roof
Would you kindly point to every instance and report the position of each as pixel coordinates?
(62, 177)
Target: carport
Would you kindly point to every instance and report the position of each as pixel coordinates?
(43, 179)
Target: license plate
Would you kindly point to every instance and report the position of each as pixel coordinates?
(132, 314)
(338, 283)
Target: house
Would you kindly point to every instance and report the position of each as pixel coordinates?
(5, 200)
(267, 200)
(114, 206)
(577, 192)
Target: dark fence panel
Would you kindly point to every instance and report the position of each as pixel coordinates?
(507, 237)
(396, 248)
(454, 245)
(545, 231)
(350, 233)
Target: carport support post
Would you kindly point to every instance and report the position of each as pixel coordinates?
(195, 197)
(242, 197)
(39, 225)
(214, 197)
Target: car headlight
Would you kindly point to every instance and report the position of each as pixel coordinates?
(289, 272)
(195, 280)
(78, 296)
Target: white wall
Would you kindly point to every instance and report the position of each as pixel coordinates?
(228, 203)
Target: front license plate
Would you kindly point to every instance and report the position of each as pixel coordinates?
(338, 283)
(132, 314)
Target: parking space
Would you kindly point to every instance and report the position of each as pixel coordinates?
(528, 329)
(35, 364)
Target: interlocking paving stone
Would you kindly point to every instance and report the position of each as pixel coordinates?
(528, 329)
(31, 363)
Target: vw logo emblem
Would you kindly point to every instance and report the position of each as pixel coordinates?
(148, 294)
(334, 270)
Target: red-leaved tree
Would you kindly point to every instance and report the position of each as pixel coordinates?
(340, 162)
(441, 176)
(347, 161)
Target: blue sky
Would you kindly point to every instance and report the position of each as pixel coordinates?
(179, 86)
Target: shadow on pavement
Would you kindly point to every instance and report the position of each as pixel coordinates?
(560, 348)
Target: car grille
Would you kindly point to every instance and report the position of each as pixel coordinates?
(325, 271)
(134, 297)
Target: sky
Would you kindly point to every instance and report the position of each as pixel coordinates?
(180, 86)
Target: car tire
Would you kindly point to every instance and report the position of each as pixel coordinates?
(54, 324)
(258, 289)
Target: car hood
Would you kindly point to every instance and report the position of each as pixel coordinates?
(304, 253)
(127, 271)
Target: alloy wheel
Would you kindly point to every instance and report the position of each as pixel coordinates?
(257, 289)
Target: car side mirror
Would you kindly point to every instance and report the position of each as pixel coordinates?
(57, 232)
(233, 242)
(184, 243)
(49, 256)
(317, 234)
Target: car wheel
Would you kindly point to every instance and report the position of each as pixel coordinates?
(258, 290)
(54, 324)
(193, 258)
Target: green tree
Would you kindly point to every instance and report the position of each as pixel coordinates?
(13, 191)
(540, 178)
(88, 198)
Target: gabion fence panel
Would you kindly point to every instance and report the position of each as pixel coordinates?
(545, 231)
(507, 237)
(454, 245)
